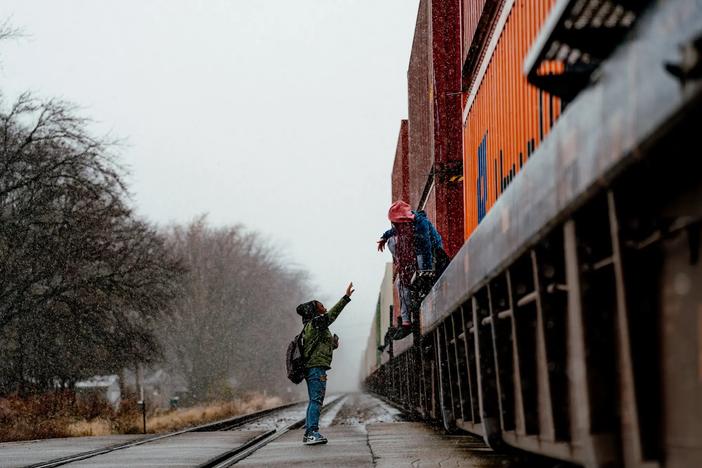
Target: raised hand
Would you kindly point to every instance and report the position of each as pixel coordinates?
(381, 245)
(350, 290)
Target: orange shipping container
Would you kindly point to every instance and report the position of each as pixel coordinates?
(505, 117)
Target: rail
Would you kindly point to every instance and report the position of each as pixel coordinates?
(224, 459)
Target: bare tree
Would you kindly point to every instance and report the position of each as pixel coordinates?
(237, 311)
(81, 279)
(8, 31)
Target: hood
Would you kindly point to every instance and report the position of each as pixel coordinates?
(400, 212)
(307, 310)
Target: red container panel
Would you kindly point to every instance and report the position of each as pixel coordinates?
(471, 12)
(420, 99)
(430, 207)
(435, 118)
(445, 72)
(400, 168)
(447, 111)
(508, 118)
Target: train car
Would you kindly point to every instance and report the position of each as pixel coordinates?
(371, 357)
(569, 320)
(384, 315)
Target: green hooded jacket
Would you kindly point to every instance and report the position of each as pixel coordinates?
(317, 340)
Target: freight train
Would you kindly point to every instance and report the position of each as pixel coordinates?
(555, 146)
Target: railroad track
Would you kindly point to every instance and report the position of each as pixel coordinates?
(274, 422)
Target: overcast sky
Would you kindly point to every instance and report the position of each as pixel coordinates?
(281, 115)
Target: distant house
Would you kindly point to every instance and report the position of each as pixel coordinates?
(106, 386)
(161, 389)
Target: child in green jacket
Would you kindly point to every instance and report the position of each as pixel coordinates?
(318, 346)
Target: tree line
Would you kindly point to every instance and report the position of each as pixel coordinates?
(237, 312)
(88, 287)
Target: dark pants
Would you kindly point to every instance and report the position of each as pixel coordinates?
(316, 378)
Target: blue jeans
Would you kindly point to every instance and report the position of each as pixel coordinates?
(316, 378)
(424, 262)
(405, 302)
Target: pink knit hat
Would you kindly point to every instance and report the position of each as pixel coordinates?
(400, 212)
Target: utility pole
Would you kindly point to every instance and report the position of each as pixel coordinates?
(142, 401)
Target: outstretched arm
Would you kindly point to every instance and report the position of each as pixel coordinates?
(384, 238)
(389, 233)
(321, 322)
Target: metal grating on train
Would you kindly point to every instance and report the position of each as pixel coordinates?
(575, 39)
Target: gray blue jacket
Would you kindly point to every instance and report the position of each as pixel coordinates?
(426, 239)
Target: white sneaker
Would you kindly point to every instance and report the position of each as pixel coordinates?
(314, 439)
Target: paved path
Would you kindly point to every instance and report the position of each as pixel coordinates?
(368, 433)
